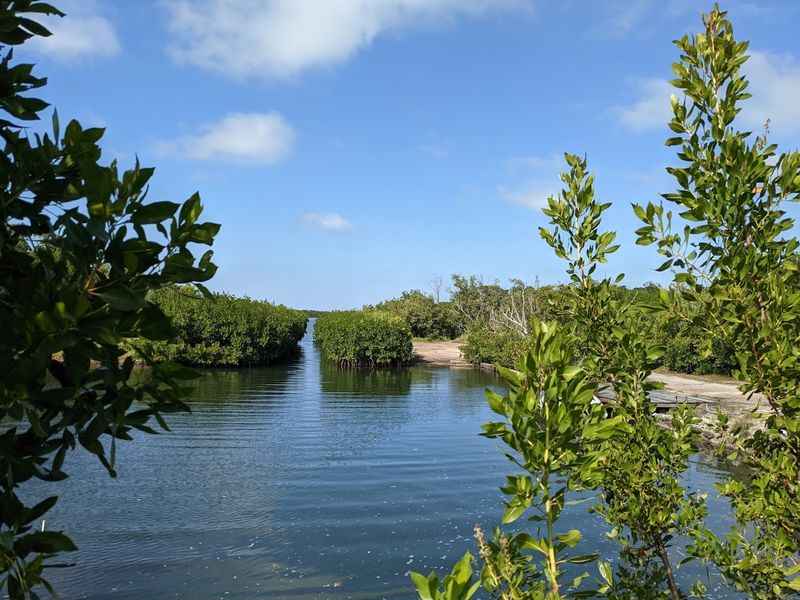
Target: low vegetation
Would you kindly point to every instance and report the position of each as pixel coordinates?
(426, 317)
(364, 339)
(482, 345)
(223, 331)
(494, 322)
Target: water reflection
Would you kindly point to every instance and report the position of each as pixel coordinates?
(376, 383)
(219, 386)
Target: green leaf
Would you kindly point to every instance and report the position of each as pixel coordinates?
(571, 538)
(173, 370)
(121, 298)
(606, 572)
(513, 512)
(44, 542)
(496, 402)
(204, 234)
(155, 212)
(191, 210)
(423, 585)
(581, 559)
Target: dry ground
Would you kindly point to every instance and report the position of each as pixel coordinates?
(444, 353)
(721, 389)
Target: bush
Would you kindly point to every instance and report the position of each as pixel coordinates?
(224, 331)
(364, 338)
(683, 351)
(425, 317)
(504, 348)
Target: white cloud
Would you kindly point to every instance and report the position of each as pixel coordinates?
(542, 180)
(82, 33)
(252, 138)
(533, 195)
(623, 17)
(327, 221)
(281, 38)
(774, 84)
(652, 110)
(618, 19)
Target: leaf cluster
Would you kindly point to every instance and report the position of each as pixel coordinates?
(547, 410)
(735, 259)
(81, 248)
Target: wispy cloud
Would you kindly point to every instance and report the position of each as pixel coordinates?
(82, 33)
(537, 179)
(651, 110)
(533, 195)
(774, 84)
(326, 221)
(622, 17)
(282, 38)
(249, 138)
(646, 18)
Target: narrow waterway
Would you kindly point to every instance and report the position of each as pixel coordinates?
(298, 481)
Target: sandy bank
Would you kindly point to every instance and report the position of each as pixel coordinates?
(725, 392)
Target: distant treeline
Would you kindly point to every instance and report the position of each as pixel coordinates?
(223, 330)
(493, 322)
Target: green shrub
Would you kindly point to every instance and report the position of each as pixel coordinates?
(364, 338)
(425, 317)
(224, 331)
(504, 348)
(684, 349)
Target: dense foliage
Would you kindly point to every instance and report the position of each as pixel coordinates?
(686, 348)
(503, 338)
(426, 317)
(737, 262)
(484, 345)
(80, 249)
(223, 331)
(736, 280)
(493, 322)
(364, 339)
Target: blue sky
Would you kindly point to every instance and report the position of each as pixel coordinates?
(353, 149)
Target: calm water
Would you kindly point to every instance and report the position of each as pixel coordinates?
(297, 481)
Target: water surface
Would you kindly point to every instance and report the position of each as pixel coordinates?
(296, 481)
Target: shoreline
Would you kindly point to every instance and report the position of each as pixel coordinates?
(712, 391)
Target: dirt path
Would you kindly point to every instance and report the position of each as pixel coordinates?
(724, 393)
(696, 385)
(440, 353)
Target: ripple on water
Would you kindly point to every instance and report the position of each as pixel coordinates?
(294, 481)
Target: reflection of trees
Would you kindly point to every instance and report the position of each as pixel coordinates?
(364, 382)
(465, 380)
(215, 386)
(359, 408)
(465, 391)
